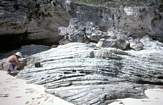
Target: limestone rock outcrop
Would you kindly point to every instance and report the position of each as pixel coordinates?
(93, 75)
(37, 21)
(90, 33)
(138, 20)
(104, 53)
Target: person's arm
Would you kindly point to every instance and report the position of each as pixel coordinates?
(17, 62)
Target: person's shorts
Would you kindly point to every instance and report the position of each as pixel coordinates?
(9, 67)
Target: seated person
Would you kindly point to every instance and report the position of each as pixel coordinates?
(12, 62)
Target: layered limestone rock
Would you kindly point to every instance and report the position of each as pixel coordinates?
(95, 75)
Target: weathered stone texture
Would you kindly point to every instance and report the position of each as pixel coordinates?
(36, 22)
(98, 72)
(139, 20)
(91, 75)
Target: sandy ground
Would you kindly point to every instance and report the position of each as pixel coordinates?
(15, 91)
(155, 97)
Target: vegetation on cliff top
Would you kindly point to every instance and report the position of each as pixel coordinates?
(117, 3)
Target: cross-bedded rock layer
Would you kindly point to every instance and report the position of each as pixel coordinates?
(84, 74)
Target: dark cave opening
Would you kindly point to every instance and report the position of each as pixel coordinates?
(12, 41)
(15, 41)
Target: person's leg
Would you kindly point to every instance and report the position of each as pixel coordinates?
(9, 68)
(13, 64)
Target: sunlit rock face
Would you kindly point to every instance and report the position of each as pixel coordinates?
(93, 75)
(104, 53)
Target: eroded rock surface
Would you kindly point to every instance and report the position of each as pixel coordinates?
(98, 72)
(37, 21)
(138, 20)
(31, 22)
(84, 74)
(89, 32)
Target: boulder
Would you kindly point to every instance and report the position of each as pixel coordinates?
(135, 44)
(90, 32)
(149, 43)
